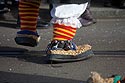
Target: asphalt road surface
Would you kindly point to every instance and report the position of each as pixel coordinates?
(107, 38)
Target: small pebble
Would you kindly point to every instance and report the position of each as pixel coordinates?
(10, 69)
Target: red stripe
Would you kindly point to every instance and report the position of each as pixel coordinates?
(22, 2)
(28, 28)
(31, 24)
(35, 5)
(28, 19)
(63, 26)
(27, 6)
(28, 10)
(67, 38)
(69, 29)
(64, 32)
(66, 27)
(23, 15)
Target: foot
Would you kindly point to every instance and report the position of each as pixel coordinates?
(86, 18)
(66, 51)
(87, 22)
(108, 4)
(27, 38)
(4, 10)
(122, 4)
(42, 24)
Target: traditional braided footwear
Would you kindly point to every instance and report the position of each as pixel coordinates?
(67, 51)
(27, 38)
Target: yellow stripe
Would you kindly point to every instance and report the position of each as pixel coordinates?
(73, 30)
(59, 38)
(29, 3)
(65, 31)
(28, 9)
(23, 6)
(28, 17)
(25, 26)
(23, 21)
(62, 34)
(36, 1)
(35, 13)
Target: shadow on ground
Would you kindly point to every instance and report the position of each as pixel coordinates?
(24, 54)
(39, 57)
(8, 77)
(8, 25)
(119, 52)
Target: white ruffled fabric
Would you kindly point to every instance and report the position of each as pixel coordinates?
(68, 14)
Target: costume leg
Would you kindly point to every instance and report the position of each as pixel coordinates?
(3, 8)
(86, 18)
(62, 32)
(62, 48)
(28, 13)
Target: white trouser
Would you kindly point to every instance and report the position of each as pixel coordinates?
(68, 14)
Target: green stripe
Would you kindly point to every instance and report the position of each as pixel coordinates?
(116, 79)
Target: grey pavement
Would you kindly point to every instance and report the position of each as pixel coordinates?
(25, 70)
(20, 64)
(98, 12)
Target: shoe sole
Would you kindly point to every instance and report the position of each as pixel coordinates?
(70, 58)
(4, 11)
(26, 41)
